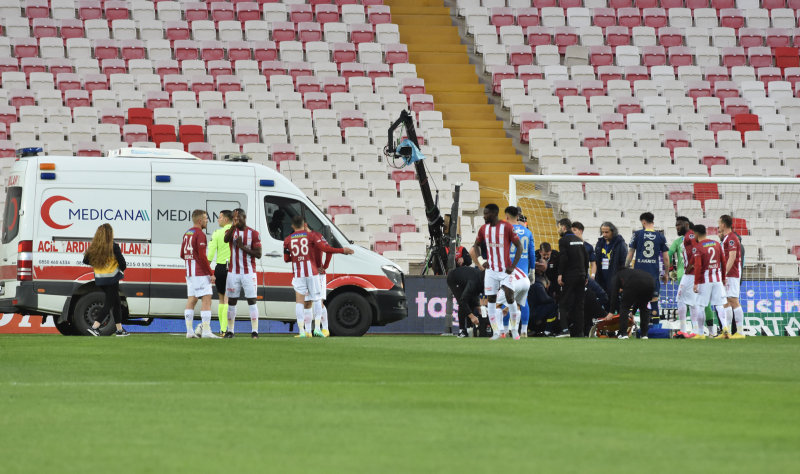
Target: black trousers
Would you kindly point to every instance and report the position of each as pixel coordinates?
(221, 275)
(630, 305)
(570, 304)
(111, 304)
(464, 311)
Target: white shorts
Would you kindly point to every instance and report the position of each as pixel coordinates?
(238, 282)
(686, 294)
(732, 287)
(308, 286)
(493, 280)
(198, 286)
(520, 288)
(711, 293)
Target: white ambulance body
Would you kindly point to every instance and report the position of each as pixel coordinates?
(54, 205)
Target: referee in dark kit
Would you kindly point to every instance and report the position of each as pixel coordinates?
(637, 289)
(466, 283)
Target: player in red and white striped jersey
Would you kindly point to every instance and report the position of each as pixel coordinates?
(520, 284)
(301, 248)
(733, 273)
(245, 245)
(497, 236)
(199, 276)
(709, 279)
(321, 318)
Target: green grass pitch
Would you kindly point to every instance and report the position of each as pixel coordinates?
(164, 404)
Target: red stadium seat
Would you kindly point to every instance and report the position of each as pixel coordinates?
(792, 75)
(395, 54)
(77, 98)
(344, 53)
(282, 152)
(8, 115)
(211, 50)
(712, 158)
(194, 11)
(617, 36)
(316, 100)
(300, 69)
(502, 16)
(746, 123)
(620, 3)
(190, 134)
(705, 191)
(769, 74)
(529, 121)
(402, 223)
(68, 81)
(636, 73)
(720, 4)
(725, 89)
(778, 38)
(609, 73)
(731, 18)
(247, 11)
(760, 56)
(331, 84)
(653, 56)
(134, 133)
(716, 73)
(740, 226)
(228, 83)
(11, 65)
(697, 89)
(374, 71)
(177, 30)
(545, 3)
(787, 57)
(45, 28)
(300, 13)
(7, 149)
(247, 134)
(3, 132)
(351, 69)
(88, 149)
(162, 133)
(132, 49)
(175, 82)
(264, 51)
(219, 117)
(201, 83)
(655, 17)
(29, 65)
(283, 31)
(352, 118)
(527, 17)
(185, 50)
(222, 11)
(411, 86)
(498, 74)
(770, 4)
(219, 68)
(420, 102)
(600, 56)
(751, 37)
(538, 35)
(526, 73)
(592, 139)
(565, 36)
(142, 116)
(326, 14)
(114, 116)
(628, 105)
(670, 37)
(204, 151)
(361, 33)
(25, 47)
(165, 67)
(604, 17)
(680, 56)
(734, 106)
(629, 17)
(675, 139)
(309, 31)
(384, 241)
(21, 97)
(89, 10)
(116, 10)
(565, 88)
(35, 9)
(105, 49)
(379, 14)
(71, 28)
(113, 66)
(610, 122)
(592, 88)
(307, 84)
(339, 205)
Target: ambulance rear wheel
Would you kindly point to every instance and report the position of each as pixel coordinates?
(64, 325)
(86, 310)
(349, 314)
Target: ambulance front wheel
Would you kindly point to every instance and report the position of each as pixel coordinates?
(86, 310)
(349, 314)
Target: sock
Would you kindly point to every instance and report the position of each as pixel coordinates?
(188, 315)
(205, 316)
(231, 317)
(507, 319)
(317, 310)
(738, 315)
(524, 329)
(654, 314)
(723, 317)
(494, 310)
(525, 315)
(222, 315)
(324, 318)
(698, 320)
(682, 316)
(253, 317)
(491, 310)
(513, 310)
(298, 315)
(728, 316)
(307, 319)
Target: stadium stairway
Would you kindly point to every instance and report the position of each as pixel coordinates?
(434, 45)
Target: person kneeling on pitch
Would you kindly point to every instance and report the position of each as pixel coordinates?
(637, 288)
(199, 276)
(300, 248)
(520, 284)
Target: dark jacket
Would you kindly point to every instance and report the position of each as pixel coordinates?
(619, 251)
(466, 283)
(539, 296)
(573, 259)
(599, 292)
(108, 276)
(636, 285)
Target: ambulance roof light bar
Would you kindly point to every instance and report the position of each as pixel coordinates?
(163, 153)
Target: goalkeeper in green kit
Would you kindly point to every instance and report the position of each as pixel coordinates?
(677, 254)
(219, 252)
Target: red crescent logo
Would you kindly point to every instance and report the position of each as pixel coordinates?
(48, 203)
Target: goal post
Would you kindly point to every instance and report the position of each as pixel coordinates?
(766, 212)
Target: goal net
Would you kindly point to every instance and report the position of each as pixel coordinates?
(766, 213)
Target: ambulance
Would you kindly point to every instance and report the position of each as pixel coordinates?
(54, 205)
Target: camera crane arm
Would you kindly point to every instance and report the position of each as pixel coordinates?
(435, 219)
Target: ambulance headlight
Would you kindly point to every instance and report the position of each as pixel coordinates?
(393, 274)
